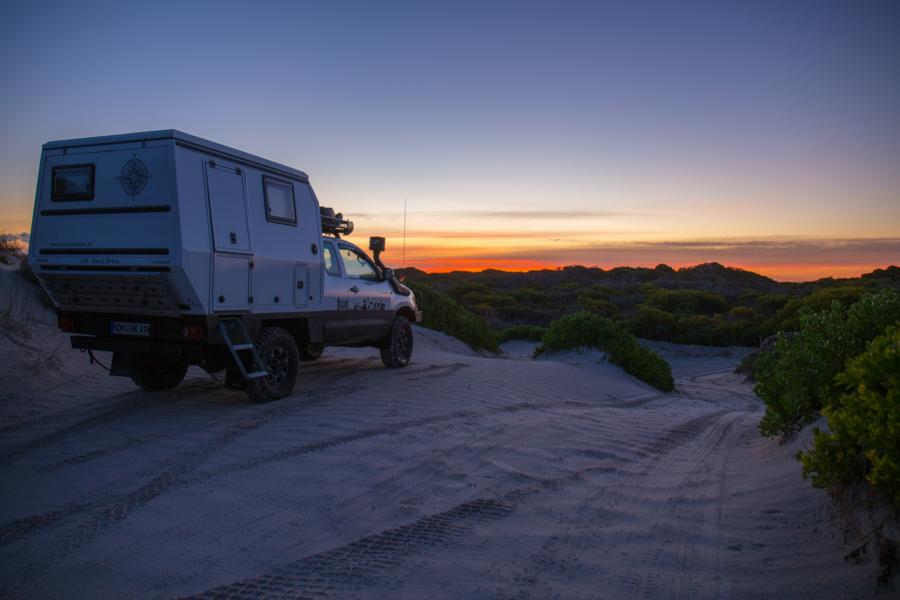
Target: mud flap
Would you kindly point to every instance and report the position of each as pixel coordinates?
(123, 365)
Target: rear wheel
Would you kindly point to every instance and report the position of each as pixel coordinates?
(310, 352)
(397, 348)
(153, 375)
(279, 354)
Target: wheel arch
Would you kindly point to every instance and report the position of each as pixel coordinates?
(405, 311)
(298, 327)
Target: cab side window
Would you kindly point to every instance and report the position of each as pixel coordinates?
(357, 266)
(331, 261)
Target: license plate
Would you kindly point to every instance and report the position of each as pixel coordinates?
(123, 328)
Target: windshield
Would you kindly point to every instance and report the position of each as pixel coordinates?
(357, 265)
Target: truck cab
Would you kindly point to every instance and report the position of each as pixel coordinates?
(170, 250)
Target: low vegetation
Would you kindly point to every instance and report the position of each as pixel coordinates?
(441, 313)
(11, 249)
(529, 333)
(707, 304)
(798, 376)
(864, 438)
(585, 329)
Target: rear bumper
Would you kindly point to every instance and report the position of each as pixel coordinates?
(176, 350)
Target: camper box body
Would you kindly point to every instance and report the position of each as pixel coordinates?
(167, 230)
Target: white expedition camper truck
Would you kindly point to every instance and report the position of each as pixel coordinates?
(169, 250)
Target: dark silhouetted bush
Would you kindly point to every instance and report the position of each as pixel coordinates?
(688, 302)
(597, 305)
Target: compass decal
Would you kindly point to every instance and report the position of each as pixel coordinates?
(134, 176)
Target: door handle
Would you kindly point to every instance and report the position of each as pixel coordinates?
(354, 289)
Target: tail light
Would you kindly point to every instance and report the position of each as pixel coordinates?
(193, 332)
(66, 323)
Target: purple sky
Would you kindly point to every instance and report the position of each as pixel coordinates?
(765, 127)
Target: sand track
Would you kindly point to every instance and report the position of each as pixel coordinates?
(459, 476)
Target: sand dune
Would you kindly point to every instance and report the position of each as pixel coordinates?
(461, 476)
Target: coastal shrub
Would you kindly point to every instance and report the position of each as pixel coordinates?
(788, 317)
(597, 305)
(864, 438)
(10, 248)
(522, 313)
(688, 301)
(653, 324)
(737, 328)
(530, 333)
(796, 377)
(586, 329)
(442, 313)
(769, 304)
(528, 295)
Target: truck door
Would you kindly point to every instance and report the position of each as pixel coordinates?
(231, 288)
(369, 297)
(334, 295)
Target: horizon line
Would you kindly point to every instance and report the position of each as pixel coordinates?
(677, 269)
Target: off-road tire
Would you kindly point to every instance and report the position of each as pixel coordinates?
(280, 358)
(397, 347)
(310, 352)
(153, 376)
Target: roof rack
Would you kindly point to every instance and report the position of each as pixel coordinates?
(334, 224)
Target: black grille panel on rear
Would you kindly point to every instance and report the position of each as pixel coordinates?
(141, 294)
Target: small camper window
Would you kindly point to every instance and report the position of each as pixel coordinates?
(279, 197)
(73, 182)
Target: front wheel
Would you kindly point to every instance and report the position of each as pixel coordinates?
(278, 352)
(397, 348)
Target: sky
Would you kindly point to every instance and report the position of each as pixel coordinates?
(762, 135)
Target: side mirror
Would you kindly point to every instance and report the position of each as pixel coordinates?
(387, 274)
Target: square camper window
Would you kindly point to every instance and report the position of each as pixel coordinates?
(73, 182)
(279, 197)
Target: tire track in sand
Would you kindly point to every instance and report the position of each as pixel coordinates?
(22, 527)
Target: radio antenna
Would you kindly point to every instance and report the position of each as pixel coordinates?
(404, 234)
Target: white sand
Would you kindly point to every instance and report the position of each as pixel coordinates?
(461, 476)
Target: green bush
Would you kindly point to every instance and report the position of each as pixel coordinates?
(531, 296)
(689, 302)
(653, 324)
(769, 304)
(442, 313)
(864, 441)
(797, 377)
(531, 333)
(522, 313)
(737, 328)
(788, 317)
(597, 305)
(586, 329)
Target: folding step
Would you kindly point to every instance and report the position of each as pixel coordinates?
(238, 340)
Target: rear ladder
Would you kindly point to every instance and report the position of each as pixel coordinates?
(238, 340)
